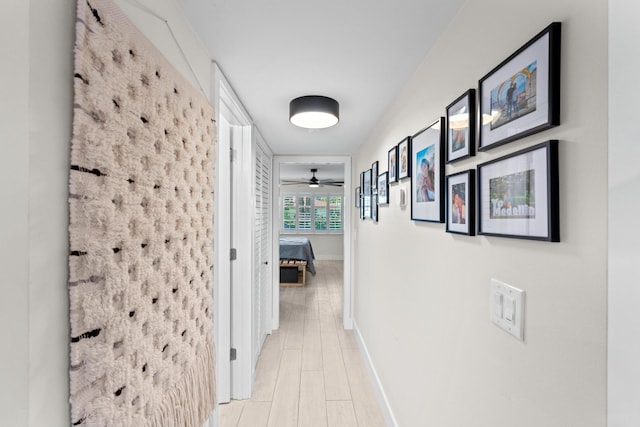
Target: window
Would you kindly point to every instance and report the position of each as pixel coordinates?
(307, 213)
(289, 213)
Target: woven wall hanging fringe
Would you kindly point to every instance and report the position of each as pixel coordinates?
(140, 231)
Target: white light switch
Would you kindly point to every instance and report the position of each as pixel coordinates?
(507, 308)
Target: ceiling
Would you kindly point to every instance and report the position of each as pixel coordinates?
(360, 52)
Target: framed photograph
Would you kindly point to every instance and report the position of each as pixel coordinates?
(366, 195)
(357, 197)
(404, 167)
(518, 194)
(461, 127)
(361, 195)
(392, 160)
(427, 179)
(521, 96)
(383, 188)
(374, 207)
(461, 203)
(374, 176)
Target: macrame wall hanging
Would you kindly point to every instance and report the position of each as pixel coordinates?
(141, 232)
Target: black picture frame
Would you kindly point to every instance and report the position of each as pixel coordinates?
(404, 158)
(383, 189)
(361, 195)
(374, 177)
(461, 203)
(521, 96)
(367, 195)
(461, 127)
(518, 194)
(374, 206)
(427, 180)
(392, 164)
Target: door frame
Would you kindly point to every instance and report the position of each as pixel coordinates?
(234, 380)
(347, 311)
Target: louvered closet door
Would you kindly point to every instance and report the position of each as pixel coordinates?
(262, 254)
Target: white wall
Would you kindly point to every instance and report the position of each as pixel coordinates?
(624, 203)
(14, 223)
(37, 44)
(421, 294)
(325, 246)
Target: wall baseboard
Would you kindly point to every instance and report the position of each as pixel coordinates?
(387, 412)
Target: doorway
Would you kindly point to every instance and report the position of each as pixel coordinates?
(242, 245)
(280, 163)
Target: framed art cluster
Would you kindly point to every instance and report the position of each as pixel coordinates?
(515, 195)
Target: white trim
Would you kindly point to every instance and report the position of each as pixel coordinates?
(387, 412)
(346, 225)
(242, 278)
(237, 375)
(221, 245)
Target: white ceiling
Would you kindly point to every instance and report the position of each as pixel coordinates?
(360, 52)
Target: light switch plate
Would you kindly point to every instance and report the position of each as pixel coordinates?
(507, 308)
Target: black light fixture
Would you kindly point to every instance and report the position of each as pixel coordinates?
(314, 112)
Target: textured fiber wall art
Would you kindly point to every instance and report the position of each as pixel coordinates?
(141, 232)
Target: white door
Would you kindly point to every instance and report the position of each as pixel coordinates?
(261, 298)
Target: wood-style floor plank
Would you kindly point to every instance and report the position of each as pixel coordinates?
(335, 376)
(284, 409)
(267, 369)
(313, 406)
(312, 346)
(230, 413)
(363, 396)
(340, 413)
(255, 414)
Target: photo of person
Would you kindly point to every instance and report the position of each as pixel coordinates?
(404, 160)
(515, 97)
(459, 139)
(425, 191)
(383, 186)
(392, 164)
(458, 203)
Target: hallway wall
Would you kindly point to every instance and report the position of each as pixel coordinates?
(37, 38)
(624, 202)
(421, 295)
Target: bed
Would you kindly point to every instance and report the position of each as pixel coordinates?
(297, 248)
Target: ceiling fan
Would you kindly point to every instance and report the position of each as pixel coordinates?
(314, 182)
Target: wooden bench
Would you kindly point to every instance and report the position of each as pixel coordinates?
(301, 273)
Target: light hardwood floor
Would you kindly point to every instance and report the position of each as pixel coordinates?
(310, 372)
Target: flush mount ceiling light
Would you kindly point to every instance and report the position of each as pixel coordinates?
(314, 112)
